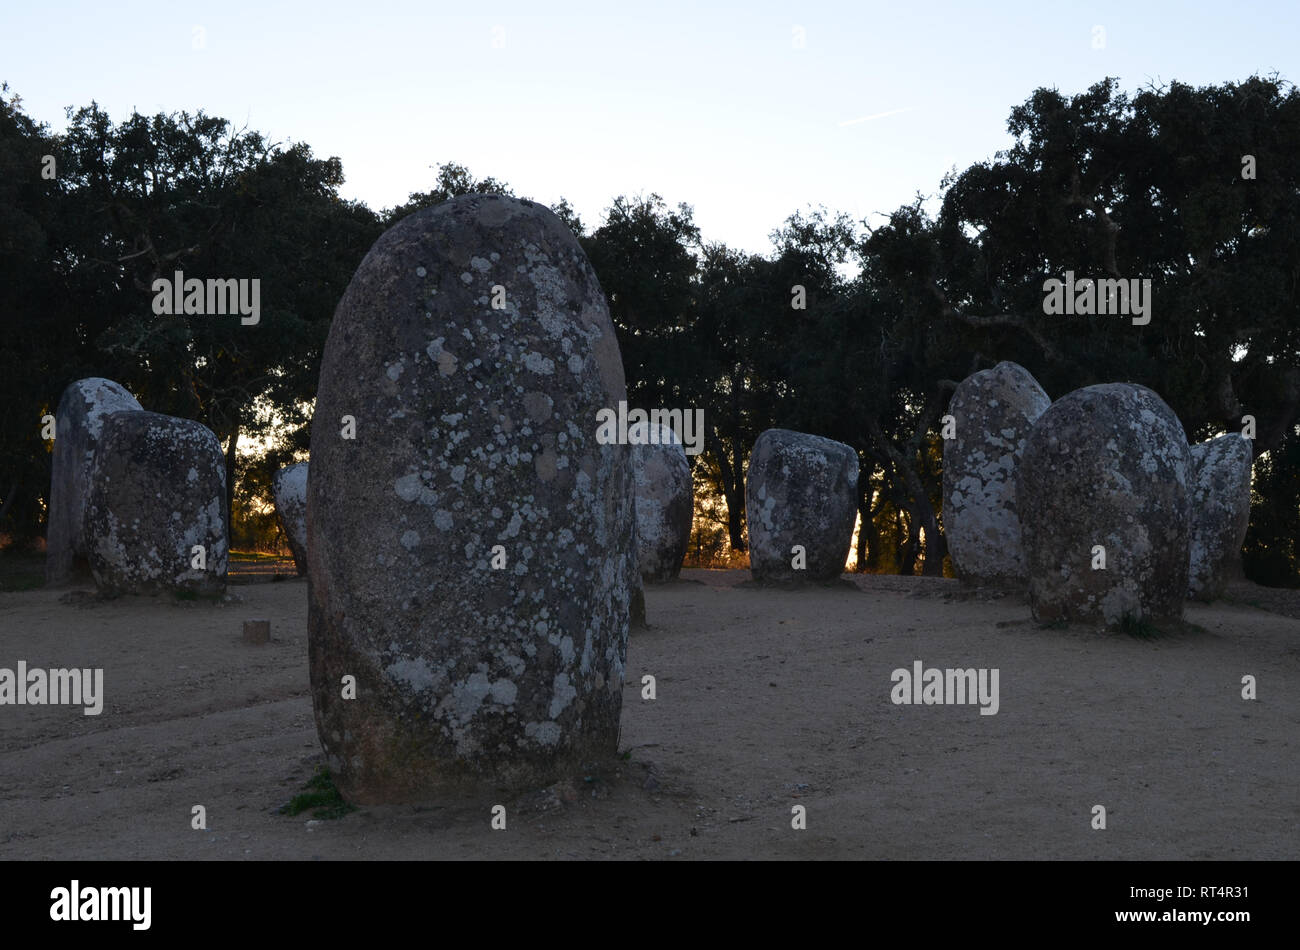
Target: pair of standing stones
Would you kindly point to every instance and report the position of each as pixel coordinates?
(1097, 499)
(137, 499)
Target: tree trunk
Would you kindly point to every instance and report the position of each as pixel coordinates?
(733, 490)
(911, 494)
(864, 532)
(907, 544)
(936, 550)
(230, 481)
(923, 519)
(9, 497)
(875, 539)
(735, 522)
(875, 544)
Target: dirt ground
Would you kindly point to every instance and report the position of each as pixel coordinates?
(765, 700)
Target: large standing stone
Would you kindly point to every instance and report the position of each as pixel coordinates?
(473, 348)
(665, 501)
(1106, 466)
(289, 487)
(78, 421)
(800, 490)
(992, 412)
(1220, 512)
(158, 491)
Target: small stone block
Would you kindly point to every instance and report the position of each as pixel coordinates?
(257, 631)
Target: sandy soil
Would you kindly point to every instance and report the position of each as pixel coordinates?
(766, 699)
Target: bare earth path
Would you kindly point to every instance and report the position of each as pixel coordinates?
(765, 699)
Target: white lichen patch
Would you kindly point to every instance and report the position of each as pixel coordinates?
(543, 733)
(537, 363)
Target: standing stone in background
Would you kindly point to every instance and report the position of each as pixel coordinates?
(158, 491)
(474, 349)
(800, 490)
(664, 500)
(289, 488)
(993, 410)
(78, 421)
(1106, 466)
(1220, 512)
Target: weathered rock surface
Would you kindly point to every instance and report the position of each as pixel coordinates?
(1106, 465)
(800, 490)
(665, 503)
(993, 411)
(1220, 510)
(157, 490)
(475, 428)
(78, 421)
(289, 488)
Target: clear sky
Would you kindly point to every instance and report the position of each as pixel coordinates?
(745, 111)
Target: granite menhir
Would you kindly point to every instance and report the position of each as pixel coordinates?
(157, 493)
(78, 421)
(1220, 513)
(1106, 467)
(473, 349)
(665, 503)
(800, 491)
(992, 412)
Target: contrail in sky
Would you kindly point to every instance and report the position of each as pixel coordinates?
(868, 118)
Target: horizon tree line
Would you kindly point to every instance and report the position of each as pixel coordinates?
(852, 332)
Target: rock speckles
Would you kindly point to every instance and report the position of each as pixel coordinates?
(467, 674)
(993, 411)
(79, 419)
(1106, 466)
(1220, 508)
(800, 490)
(157, 490)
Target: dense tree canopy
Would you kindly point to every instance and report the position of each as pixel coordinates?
(843, 330)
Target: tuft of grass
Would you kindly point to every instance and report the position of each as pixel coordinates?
(189, 595)
(320, 795)
(1138, 627)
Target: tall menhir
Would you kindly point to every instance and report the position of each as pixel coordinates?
(470, 544)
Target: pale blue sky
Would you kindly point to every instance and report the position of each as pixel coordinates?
(716, 106)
